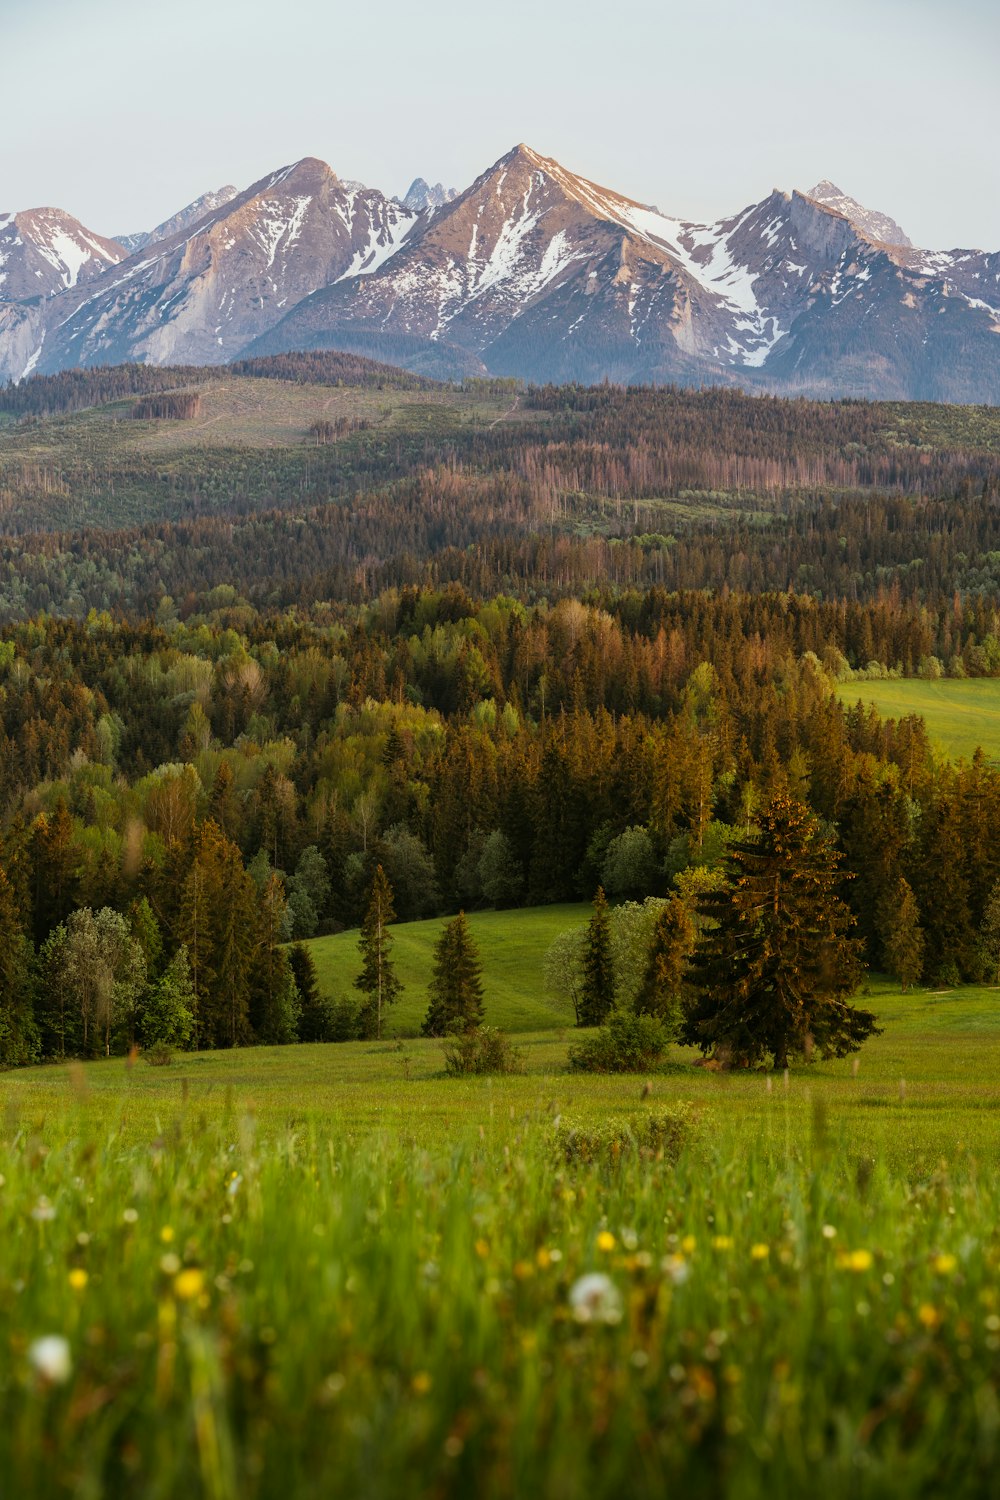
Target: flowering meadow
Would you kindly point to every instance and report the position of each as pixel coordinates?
(334, 1271)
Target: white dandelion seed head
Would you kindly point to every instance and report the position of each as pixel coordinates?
(50, 1357)
(676, 1268)
(595, 1299)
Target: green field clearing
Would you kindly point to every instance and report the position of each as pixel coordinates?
(239, 413)
(250, 441)
(512, 946)
(960, 714)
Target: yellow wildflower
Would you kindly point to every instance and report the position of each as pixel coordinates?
(929, 1316)
(421, 1383)
(189, 1284)
(944, 1264)
(78, 1278)
(759, 1252)
(166, 1234)
(722, 1242)
(605, 1241)
(856, 1260)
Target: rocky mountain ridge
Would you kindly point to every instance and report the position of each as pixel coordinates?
(192, 214)
(533, 271)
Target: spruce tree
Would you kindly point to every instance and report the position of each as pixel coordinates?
(56, 862)
(377, 980)
(219, 921)
(597, 992)
(456, 987)
(990, 930)
(19, 1041)
(670, 951)
(316, 1020)
(901, 934)
(775, 973)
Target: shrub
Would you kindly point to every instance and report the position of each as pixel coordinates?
(484, 1049)
(629, 1043)
(159, 1055)
(662, 1136)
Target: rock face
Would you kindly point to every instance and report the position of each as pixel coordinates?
(536, 272)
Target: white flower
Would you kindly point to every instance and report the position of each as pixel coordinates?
(596, 1299)
(50, 1357)
(43, 1212)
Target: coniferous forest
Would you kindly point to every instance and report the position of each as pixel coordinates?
(504, 645)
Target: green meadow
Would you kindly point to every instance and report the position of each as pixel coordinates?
(335, 1271)
(961, 714)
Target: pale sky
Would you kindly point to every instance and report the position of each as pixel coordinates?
(122, 111)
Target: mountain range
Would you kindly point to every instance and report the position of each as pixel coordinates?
(532, 271)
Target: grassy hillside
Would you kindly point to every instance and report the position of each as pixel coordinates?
(512, 945)
(960, 714)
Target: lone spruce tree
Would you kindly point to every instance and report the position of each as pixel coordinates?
(775, 974)
(597, 992)
(377, 980)
(456, 987)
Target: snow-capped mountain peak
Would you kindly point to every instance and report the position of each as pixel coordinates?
(204, 291)
(45, 250)
(872, 224)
